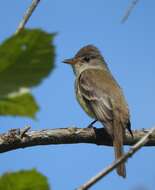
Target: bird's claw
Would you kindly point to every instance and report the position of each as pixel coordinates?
(92, 123)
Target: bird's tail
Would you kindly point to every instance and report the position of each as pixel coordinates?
(118, 136)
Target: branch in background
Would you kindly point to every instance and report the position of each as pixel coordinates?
(27, 15)
(124, 158)
(129, 10)
(22, 138)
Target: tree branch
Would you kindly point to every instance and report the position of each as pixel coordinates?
(27, 15)
(124, 158)
(22, 138)
(129, 10)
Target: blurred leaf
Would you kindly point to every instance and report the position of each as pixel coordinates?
(25, 59)
(22, 104)
(24, 180)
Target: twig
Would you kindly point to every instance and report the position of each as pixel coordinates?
(27, 15)
(14, 140)
(129, 10)
(24, 131)
(124, 158)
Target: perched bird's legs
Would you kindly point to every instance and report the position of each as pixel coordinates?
(92, 123)
(130, 131)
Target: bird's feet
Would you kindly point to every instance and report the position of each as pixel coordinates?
(131, 133)
(92, 123)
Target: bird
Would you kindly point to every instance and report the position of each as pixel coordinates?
(101, 97)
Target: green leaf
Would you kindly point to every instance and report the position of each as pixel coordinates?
(24, 180)
(25, 59)
(22, 104)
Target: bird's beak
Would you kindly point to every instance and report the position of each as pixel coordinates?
(70, 61)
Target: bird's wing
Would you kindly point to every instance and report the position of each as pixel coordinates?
(103, 94)
(94, 85)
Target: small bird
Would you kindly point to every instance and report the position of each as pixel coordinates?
(101, 97)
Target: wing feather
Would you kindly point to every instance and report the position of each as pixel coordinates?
(96, 94)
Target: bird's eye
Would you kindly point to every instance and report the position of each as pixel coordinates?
(87, 59)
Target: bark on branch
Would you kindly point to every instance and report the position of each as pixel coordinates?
(22, 138)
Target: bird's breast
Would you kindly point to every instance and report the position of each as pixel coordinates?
(82, 101)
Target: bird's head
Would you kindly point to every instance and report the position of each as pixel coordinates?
(87, 56)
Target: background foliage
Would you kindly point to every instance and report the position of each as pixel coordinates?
(23, 180)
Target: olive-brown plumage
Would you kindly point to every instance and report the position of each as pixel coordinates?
(101, 97)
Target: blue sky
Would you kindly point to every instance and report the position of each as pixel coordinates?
(129, 51)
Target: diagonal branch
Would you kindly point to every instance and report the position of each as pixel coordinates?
(124, 158)
(22, 138)
(129, 10)
(27, 15)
